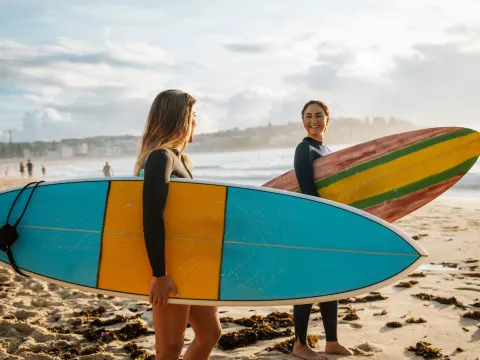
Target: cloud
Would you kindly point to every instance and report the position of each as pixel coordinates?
(71, 67)
(440, 86)
(249, 47)
(246, 108)
(106, 91)
(46, 124)
(403, 58)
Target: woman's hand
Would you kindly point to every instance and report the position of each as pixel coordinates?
(159, 289)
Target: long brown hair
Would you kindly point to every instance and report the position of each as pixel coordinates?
(169, 124)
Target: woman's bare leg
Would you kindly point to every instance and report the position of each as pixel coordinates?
(170, 322)
(207, 328)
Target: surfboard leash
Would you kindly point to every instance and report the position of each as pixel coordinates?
(9, 233)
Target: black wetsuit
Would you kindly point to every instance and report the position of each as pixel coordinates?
(159, 167)
(306, 152)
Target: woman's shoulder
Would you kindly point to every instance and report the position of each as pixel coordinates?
(159, 157)
(160, 154)
(302, 146)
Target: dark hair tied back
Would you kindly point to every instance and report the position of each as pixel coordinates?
(318, 102)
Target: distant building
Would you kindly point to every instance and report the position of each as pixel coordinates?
(51, 154)
(95, 150)
(126, 146)
(66, 151)
(82, 149)
(27, 153)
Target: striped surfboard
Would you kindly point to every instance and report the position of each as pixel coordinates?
(225, 244)
(392, 176)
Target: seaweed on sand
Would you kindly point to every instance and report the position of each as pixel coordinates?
(373, 296)
(442, 300)
(394, 324)
(474, 315)
(412, 320)
(128, 332)
(286, 346)
(71, 351)
(274, 319)
(406, 284)
(424, 350)
(245, 337)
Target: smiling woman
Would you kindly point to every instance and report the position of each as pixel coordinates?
(316, 118)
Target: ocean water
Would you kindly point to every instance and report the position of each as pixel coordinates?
(254, 167)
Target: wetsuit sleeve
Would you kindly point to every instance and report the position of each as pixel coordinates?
(303, 165)
(157, 171)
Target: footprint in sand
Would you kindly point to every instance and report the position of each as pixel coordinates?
(352, 325)
(356, 326)
(370, 347)
(53, 287)
(16, 329)
(40, 302)
(36, 286)
(4, 278)
(467, 289)
(429, 288)
(23, 314)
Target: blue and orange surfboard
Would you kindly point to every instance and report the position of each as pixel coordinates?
(226, 244)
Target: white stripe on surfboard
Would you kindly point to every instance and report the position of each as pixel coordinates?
(55, 229)
(231, 242)
(318, 249)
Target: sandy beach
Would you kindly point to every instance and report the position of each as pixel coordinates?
(438, 307)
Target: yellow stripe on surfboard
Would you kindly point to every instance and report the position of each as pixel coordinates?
(196, 211)
(406, 170)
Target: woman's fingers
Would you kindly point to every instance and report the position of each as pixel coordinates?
(174, 289)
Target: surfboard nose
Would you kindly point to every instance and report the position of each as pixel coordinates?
(272, 249)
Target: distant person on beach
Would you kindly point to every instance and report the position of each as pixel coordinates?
(169, 129)
(30, 169)
(22, 169)
(315, 117)
(107, 170)
(43, 170)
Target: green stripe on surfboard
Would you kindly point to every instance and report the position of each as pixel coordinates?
(415, 186)
(391, 156)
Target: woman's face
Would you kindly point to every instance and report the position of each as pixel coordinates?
(194, 123)
(315, 120)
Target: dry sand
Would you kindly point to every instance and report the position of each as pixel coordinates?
(30, 308)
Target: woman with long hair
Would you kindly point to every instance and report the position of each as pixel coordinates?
(169, 129)
(316, 118)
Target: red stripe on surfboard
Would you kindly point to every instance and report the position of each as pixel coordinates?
(357, 154)
(398, 208)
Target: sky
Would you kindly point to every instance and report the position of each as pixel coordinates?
(72, 69)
